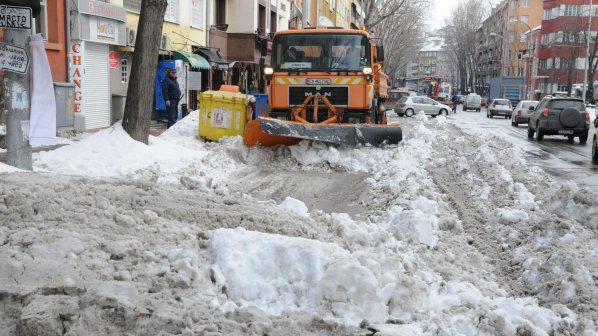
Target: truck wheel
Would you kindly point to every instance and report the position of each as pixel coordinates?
(583, 138)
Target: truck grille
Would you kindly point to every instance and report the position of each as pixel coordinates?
(338, 95)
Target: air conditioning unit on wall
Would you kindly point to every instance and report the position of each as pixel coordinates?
(164, 43)
(131, 36)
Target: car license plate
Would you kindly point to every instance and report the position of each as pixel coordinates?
(566, 132)
(318, 81)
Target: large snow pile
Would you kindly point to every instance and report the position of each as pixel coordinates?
(441, 237)
(112, 152)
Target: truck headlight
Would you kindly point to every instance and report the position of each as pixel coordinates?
(268, 71)
(367, 71)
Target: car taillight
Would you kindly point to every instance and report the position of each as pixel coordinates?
(545, 112)
(402, 105)
(587, 114)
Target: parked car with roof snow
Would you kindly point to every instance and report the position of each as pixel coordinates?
(472, 102)
(521, 112)
(559, 116)
(408, 106)
(499, 107)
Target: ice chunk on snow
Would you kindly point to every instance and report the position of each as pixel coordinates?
(510, 216)
(421, 117)
(421, 221)
(277, 273)
(295, 206)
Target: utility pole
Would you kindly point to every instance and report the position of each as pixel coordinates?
(18, 107)
(587, 54)
(14, 59)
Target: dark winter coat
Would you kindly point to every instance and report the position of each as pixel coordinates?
(170, 89)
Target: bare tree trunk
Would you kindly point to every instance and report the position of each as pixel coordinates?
(140, 94)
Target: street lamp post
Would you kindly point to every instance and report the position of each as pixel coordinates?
(501, 49)
(529, 59)
(587, 55)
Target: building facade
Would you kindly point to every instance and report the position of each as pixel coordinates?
(562, 56)
(501, 46)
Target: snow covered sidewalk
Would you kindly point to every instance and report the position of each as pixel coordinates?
(110, 236)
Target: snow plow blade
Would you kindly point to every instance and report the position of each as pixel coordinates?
(270, 132)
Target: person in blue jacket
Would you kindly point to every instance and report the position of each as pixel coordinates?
(172, 94)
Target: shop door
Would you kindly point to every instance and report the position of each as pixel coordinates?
(97, 86)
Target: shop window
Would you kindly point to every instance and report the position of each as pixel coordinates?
(41, 21)
(123, 71)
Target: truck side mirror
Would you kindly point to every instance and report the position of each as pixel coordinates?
(264, 48)
(33, 4)
(380, 53)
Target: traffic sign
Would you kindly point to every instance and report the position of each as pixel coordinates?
(15, 17)
(13, 58)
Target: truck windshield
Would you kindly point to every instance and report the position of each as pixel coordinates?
(320, 52)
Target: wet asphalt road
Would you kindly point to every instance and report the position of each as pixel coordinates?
(568, 161)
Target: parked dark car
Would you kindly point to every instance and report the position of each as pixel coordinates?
(559, 116)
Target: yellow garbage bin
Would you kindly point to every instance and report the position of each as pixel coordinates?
(222, 113)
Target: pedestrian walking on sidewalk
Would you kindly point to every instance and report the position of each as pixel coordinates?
(455, 101)
(172, 94)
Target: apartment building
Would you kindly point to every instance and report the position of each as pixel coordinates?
(501, 46)
(561, 57)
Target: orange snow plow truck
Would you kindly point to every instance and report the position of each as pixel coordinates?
(324, 84)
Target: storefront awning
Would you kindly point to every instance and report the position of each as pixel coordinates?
(196, 61)
(213, 57)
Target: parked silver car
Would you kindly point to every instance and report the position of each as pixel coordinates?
(559, 116)
(500, 107)
(521, 112)
(408, 106)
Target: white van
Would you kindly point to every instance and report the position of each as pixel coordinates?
(472, 102)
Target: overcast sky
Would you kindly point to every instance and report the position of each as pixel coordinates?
(442, 9)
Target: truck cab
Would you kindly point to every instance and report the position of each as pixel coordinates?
(340, 64)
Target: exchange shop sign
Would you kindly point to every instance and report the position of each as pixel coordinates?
(13, 58)
(15, 17)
